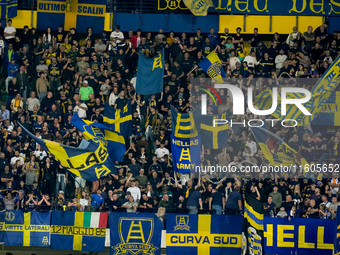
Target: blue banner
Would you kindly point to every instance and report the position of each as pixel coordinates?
(78, 231)
(330, 112)
(267, 7)
(25, 229)
(8, 9)
(150, 74)
(79, 14)
(132, 233)
(185, 154)
(299, 236)
(337, 230)
(203, 234)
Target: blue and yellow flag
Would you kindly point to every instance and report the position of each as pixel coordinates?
(183, 124)
(119, 120)
(320, 94)
(8, 9)
(90, 163)
(78, 231)
(198, 7)
(214, 133)
(203, 234)
(330, 112)
(79, 14)
(25, 229)
(275, 150)
(337, 237)
(186, 154)
(99, 133)
(253, 226)
(150, 74)
(212, 65)
(135, 233)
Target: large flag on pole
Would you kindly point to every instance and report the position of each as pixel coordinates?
(120, 120)
(150, 74)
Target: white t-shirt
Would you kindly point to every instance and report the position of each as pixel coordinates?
(10, 30)
(14, 160)
(80, 111)
(2, 46)
(135, 193)
(31, 102)
(161, 152)
(117, 34)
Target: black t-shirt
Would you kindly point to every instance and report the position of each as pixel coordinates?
(217, 199)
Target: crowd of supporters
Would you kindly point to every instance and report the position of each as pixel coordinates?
(50, 75)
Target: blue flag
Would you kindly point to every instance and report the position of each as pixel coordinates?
(90, 163)
(337, 231)
(94, 131)
(25, 229)
(183, 124)
(78, 231)
(186, 154)
(150, 74)
(203, 234)
(8, 9)
(214, 133)
(330, 112)
(135, 233)
(119, 120)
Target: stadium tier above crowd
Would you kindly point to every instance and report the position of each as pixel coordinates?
(50, 75)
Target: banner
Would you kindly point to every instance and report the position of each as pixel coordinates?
(186, 154)
(266, 7)
(79, 14)
(135, 233)
(337, 231)
(330, 112)
(25, 229)
(8, 9)
(303, 236)
(319, 95)
(150, 74)
(90, 163)
(203, 234)
(119, 120)
(78, 231)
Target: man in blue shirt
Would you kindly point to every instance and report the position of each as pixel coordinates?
(12, 70)
(213, 37)
(97, 201)
(194, 201)
(4, 113)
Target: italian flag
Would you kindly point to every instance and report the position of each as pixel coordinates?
(88, 220)
(91, 219)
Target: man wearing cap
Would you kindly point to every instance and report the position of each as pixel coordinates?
(85, 91)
